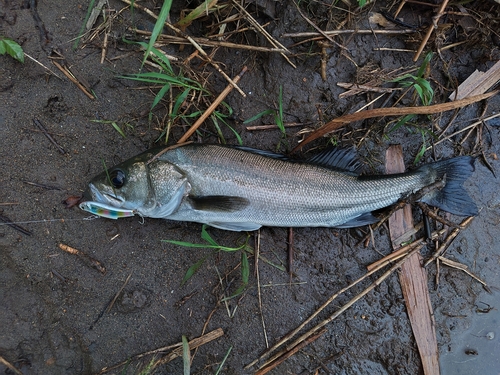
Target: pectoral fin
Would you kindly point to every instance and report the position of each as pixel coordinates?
(218, 203)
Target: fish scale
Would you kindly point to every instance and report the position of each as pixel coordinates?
(244, 189)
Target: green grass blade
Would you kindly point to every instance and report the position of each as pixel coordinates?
(82, 29)
(200, 11)
(118, 129)
(423, 67)
(160, 22)
(186, 356)
(245, 268)
(206, 236)
(279, 120)
(422, 150)
(221, 365)
(178, 102)
(159, 96)
(259, 115)
(193, 269)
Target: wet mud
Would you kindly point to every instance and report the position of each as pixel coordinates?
(60, 314)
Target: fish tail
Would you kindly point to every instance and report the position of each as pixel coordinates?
(452, 197)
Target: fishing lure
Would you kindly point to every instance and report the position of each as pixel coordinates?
(104, 210)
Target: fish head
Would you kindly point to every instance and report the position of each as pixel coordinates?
(151, 189)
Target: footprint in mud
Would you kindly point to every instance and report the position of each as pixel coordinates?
(133, 300)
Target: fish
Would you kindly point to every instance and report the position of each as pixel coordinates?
(242, 189)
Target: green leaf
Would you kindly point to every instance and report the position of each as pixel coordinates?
(193, 269)
(221, 365)
(279, 117)
(401, 122)
(259, 115)
(162, 17)
(12, 49)
(159, 96)
(245, 268)
(180, 99)
(206, 236)
(82, 29)
(200, 11)
(186, 356)
(422, 150)
(427, 60)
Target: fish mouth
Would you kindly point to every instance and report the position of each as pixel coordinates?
(110, 199)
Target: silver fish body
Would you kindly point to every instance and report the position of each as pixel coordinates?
(243, 189)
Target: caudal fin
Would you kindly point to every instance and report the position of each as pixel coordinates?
(452, 197)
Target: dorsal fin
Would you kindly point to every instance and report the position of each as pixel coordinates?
(339, 159)
(269, 154)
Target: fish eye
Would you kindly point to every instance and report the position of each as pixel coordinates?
(117, 178)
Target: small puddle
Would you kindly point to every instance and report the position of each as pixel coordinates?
(476, 350)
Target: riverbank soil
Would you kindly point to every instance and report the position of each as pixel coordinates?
(62, 312)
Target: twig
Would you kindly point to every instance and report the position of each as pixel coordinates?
(11, 224)
(435, 216)
(291, 352)
(10, 366)
(479, 122)
(394, 111)
(462, 267)
(395, 255)
(354, 86)
(257, 274)
(431, 28)
(449, 240)
(263, 31)
(173, 39)
(193, 344)
(273, 126)
(43, 66)
(192, 41)
(42, 128)
(93, 262)
(208, 337)
(110, 306)
(339, 32)
(73, 79)
(317, 28)
(333, 316)
(43, 186)
(212, 107)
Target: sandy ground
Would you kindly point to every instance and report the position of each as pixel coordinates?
(53, 310)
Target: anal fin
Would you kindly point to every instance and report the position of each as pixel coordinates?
(235, 227)
(363, 219)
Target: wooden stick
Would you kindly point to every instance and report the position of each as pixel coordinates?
(263, 31)
(72, 78)
(173, 39)
(193, 344)
(449, 240)
(198, 341)
(93, 262)
(431, 28)
(345, 307)
(212, 107)
(291, 352)
(310, 34)
(10, 366)
(413, 278)
(394, 111)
